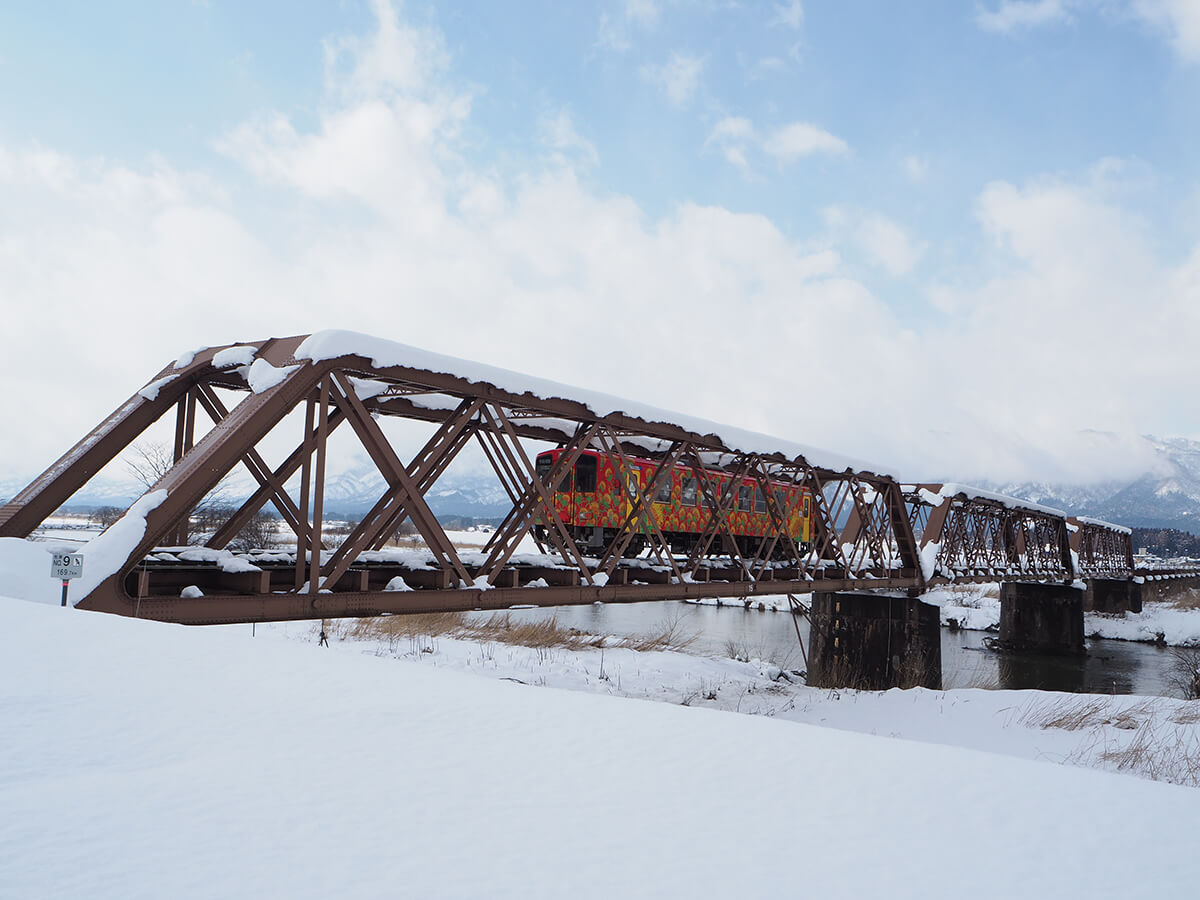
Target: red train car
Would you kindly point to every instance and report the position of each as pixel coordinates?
(595, 498)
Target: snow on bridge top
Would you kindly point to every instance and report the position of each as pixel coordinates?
(329, 345)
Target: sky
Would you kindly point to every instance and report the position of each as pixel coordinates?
(961, 239)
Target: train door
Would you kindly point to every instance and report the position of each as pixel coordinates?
(631, 482)
(564, 496)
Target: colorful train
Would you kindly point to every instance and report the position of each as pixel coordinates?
(595, 498)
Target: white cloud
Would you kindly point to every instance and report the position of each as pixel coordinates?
(732, 128)
(888, 245)
(618, 25)
(790, 14)
(558, 132)
(1014, 14)
(802, 139)
(1179, 19)
(884, 243)
(396, 58)
(731, 135)
(678, 77)
(915, 168)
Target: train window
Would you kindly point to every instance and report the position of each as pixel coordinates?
(585, 474)
(663, 494)
(781, 500)
(687, 486)
(760, 501)
(544, 465)
(709, 492)
(744, 497)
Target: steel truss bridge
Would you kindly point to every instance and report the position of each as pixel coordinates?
(871, 532)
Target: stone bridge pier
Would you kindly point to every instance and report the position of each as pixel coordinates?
(1041, 618)
(873, 642)
(1113, 595)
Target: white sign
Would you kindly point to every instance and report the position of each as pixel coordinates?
(66, 566)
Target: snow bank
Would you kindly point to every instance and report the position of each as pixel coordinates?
(152, 760)
(383, 353)
(25, 565)
(1156, 623)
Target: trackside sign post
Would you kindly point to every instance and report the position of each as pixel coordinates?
(66, 566)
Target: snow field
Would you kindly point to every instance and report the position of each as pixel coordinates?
(151, 760)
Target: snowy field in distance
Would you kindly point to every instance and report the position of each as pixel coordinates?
(150, 760)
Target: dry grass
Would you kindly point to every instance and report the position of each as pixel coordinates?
(1189, 598)
(1095, 712)
(503, 628)
(1171, 755)
(983, 677)
(1162, 748)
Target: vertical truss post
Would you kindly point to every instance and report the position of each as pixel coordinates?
(185, 434)
(314, 564)
(303, 540)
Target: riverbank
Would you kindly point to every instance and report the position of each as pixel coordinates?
(1152, 737)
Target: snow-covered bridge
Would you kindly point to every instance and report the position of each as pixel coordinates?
(870, 531)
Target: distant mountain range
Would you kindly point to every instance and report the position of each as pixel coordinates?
(351, 493)
(1168, 497)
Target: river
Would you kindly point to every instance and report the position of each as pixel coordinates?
(1110, 667)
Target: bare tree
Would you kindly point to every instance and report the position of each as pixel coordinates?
(260, 533)
(152, 460)
(105, 515)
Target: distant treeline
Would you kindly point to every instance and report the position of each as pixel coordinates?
(1166, 542)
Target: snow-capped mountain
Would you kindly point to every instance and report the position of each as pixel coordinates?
(1166, 497)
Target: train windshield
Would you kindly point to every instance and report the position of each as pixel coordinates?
(544, 465)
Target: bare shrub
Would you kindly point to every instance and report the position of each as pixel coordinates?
(1183, 673)
(742, 651)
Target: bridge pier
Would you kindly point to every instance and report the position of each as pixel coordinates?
(1044, 618)
(1112, 595)
(873, 642)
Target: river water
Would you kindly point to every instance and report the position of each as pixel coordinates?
(1110, 667)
